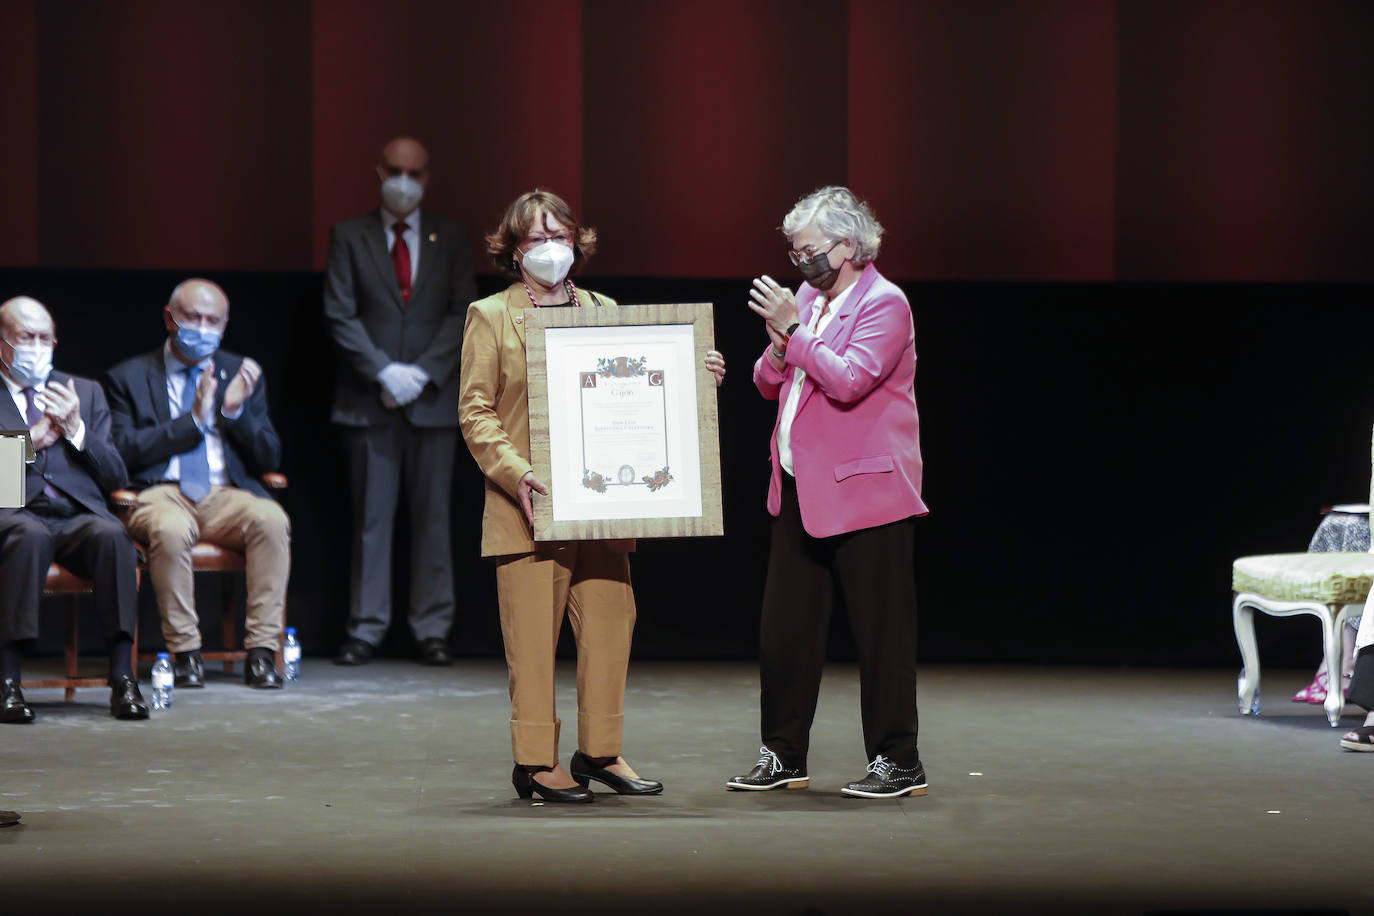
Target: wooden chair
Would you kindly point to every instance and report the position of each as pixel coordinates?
(64, 582)
(208, 557)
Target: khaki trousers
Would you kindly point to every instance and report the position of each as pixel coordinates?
(593, 584)
(170, 524)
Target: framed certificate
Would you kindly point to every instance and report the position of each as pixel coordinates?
(623, 424)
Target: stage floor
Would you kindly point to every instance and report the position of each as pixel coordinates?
(386, 788)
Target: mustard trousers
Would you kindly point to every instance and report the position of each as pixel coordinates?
(592, 584)
(170, 524)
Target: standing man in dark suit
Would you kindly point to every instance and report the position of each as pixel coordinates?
(191, 422)
(66, 518)
(396, 290)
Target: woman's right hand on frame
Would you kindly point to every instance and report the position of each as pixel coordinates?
(527, 483)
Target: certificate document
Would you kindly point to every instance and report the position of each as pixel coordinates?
(624, 425)
(624, 439)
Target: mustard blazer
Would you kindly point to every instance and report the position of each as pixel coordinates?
(494, 415)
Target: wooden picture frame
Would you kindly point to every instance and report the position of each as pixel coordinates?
(629, 393)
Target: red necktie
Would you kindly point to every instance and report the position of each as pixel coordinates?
(400, 261)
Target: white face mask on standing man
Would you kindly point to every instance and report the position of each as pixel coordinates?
(401, 193)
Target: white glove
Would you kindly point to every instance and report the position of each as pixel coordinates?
(419, 377)
(399, 381)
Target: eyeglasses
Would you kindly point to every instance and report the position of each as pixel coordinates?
(29, 338)
(212, 322)
(534, 241)
(809, 252)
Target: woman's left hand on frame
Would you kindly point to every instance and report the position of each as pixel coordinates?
(774, 303)
(715, 364)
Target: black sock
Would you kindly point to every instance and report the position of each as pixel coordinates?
(121, 644)
(9, 662)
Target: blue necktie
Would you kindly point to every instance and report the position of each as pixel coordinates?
(195, 464)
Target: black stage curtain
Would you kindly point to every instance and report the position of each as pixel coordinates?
(1096, 455)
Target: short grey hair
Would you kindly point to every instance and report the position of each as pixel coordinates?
(839, 214)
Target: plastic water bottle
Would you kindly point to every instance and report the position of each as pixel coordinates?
(162, 681)
(291, 656)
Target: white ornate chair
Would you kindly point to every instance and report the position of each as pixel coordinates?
(1332, 587)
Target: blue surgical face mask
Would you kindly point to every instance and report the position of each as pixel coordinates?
(31, 364)
(197, 343)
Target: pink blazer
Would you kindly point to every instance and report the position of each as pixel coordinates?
(856, 444)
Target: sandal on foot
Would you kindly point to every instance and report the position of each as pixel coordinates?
(1359, 739)
(1314, 692)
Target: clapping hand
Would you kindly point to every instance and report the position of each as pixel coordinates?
(63, 406)
(775, 304)
(44, 433)
(204, 407)
(241, 386)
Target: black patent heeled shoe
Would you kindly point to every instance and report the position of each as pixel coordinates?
(584, 771)
(526, 786)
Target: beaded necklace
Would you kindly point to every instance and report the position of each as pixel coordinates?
(567, 284)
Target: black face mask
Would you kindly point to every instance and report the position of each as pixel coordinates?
(817, 270)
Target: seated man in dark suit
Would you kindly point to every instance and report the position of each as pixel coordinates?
(191, 422)
(66, 518)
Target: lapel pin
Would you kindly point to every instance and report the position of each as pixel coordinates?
(434, 236)
(519, 319)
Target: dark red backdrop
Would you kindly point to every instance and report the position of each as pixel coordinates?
(1054, 140)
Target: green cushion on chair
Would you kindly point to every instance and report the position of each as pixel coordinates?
(1331, 578)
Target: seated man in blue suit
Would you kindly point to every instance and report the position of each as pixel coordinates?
(65, 518)
(191, 422)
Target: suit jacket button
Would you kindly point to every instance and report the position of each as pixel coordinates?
(47, 475)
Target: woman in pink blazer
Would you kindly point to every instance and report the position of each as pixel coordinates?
(845, 490)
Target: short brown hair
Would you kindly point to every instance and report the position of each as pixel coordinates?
(521, 215)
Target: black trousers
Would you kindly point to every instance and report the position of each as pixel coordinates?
(1361, 690)
(92, 546)
(872, 569)
(383, 461)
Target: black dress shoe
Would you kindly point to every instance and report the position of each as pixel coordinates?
(770, 773)
(125, 700)
(435, 651)
(260, 670)
(887, 780)
(354, 652)
(526, 785)
(9, 818)
(583, 770)
(188, 670)
(13, 709)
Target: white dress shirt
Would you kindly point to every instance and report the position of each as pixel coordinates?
(412, 237)
(789, 410)
(176, 387)
(17, 392)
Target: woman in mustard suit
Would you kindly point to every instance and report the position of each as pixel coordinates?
(539, 244)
